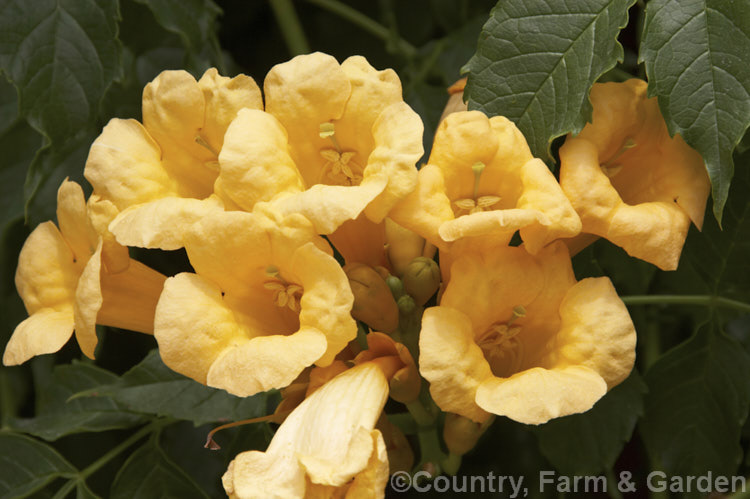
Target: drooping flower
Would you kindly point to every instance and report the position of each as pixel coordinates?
(326, 448)
(336, 143)
(481, 180)
(516, 335)
(266, 301)
(631, 182)
(71, 279)
(160, 175)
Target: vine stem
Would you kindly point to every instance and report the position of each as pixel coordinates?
(705, 300)
(114, 452)
(291, 28)
(367, 24)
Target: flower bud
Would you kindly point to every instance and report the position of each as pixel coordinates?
(373, 302)
(461, 433)
(406, 304)
(456, 100)
(396, 286)
(400, 454)
(403, 246)
(421, 279)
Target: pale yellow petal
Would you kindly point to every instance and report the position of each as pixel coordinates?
(193, 325)
(541, 192)
(371, 483)
(45, 331)
(47, 273)
(329, 206)
(265, 362)
(174, 112)
(450, 360)
(224, 97)
(496, 222)
(654, 232)
(596, 332)
(325, 429)
(327, 299)
(162, 223)
(73, 220)
(397, 135)
(258, 475)
(124, 165)
(338, 469)
(535, 396)
(255, 161)
(101, 212)
(427, 207)
(303, 93)
(88, 302)
(371, 92)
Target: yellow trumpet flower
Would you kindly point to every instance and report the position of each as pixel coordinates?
(631, 182)
(516, 335)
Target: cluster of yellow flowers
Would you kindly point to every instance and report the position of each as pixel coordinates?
(248, 184)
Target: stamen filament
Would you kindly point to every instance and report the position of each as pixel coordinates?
(202, 142)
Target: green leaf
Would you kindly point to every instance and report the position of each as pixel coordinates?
(153, 388)
(17, 146)
(695, 52)
(194, 21)
(27, 465)
(537, 60)
(698, 399)
(61, 55)
(50, 166)
(150, 474)
(57, 416)
(589, 443)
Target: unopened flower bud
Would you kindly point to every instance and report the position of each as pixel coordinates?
(406, 304)
(373, 302)
(403, 246)
(456, 100)
(396, 285)
(400, 454)
(421, 279)
(405, 385)
(461, 433)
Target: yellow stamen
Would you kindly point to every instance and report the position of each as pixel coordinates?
(340, 164)
(285, 294)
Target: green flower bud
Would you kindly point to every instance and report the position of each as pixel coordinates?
(406, 304)
(397, 287)
(421, 279)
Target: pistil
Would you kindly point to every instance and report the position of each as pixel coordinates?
(477, 203)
